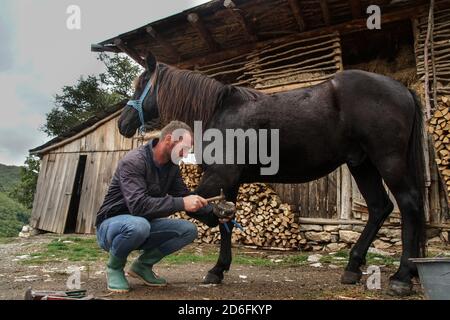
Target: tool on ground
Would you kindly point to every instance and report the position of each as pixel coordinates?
(30, 294)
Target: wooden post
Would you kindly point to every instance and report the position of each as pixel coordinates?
(238, 14)
(355, 6)
(425, 61)
(165, 44)
(204, 33)
(325, 12)
(346, 193)
(129, 51)
(295, 7)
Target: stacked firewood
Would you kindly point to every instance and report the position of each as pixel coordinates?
(267, 222)
(439, 126)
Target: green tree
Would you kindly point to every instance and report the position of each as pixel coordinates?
(23, 192)
(91, 95)
(120, 74)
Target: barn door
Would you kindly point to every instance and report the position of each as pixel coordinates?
(71, 220)
(54, 191)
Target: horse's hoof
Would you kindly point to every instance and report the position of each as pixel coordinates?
(212, 278)
(350, 277)
(399, 288)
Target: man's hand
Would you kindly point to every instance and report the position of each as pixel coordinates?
(194, 203)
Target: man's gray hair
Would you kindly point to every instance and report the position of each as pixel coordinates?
(172, 126)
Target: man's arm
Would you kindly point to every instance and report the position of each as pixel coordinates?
(178, 188)
(133, 186)
(205, 214)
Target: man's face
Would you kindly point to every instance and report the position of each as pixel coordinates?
(178, 144)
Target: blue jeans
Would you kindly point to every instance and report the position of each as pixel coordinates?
(119, 235)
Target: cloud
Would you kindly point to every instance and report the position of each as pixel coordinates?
(39, 55)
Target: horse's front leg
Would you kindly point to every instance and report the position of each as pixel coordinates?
(216, 179)
(215, 275)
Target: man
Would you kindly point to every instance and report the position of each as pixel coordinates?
(147, 188)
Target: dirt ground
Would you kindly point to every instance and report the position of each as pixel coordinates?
(243, 281)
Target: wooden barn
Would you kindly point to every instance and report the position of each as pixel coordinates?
(272, 46)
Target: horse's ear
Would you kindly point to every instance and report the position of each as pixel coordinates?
(150, 62)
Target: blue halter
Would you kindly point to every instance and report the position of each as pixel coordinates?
(137, 104)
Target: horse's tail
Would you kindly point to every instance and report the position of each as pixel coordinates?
(416, 166)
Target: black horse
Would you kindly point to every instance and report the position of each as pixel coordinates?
(369, 122)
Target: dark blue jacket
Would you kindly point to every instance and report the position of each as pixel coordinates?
(139, 187)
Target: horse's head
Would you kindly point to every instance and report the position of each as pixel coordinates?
(130, 120)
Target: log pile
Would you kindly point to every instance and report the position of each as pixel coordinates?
(439, 127)
(266, 220)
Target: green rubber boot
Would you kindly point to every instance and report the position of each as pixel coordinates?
(142, 268)
(115, 275)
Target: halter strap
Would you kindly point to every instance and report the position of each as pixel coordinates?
(137, 105)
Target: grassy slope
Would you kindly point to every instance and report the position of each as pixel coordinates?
(12, 216)
(9, 176)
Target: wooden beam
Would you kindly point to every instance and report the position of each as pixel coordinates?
(204, 33)
(295, 7)
(133, 54)
(171, 50)
(343, 28)
(355, 6)
(239, 15)
(100, 48)
(78, 135)
(325, 12)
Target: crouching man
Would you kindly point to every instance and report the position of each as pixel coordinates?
(147, 188)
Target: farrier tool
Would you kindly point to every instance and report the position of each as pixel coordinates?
(227, 209)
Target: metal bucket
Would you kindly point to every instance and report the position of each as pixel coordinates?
(434, 275)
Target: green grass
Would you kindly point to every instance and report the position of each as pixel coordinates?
(58, 250)
(86, 250)
(239, 258)
(341, 258)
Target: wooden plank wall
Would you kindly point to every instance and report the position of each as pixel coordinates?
(54, 190)
(315, 199)
(103, 147)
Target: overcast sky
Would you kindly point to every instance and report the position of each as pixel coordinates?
(39, 55)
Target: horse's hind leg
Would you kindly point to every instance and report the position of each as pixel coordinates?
(401, 182)
(371, 187)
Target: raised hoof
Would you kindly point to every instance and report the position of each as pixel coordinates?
(399, 288)
(350, 277)
(212, 278)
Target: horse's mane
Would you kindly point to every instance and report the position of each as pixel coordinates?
(190, 96)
